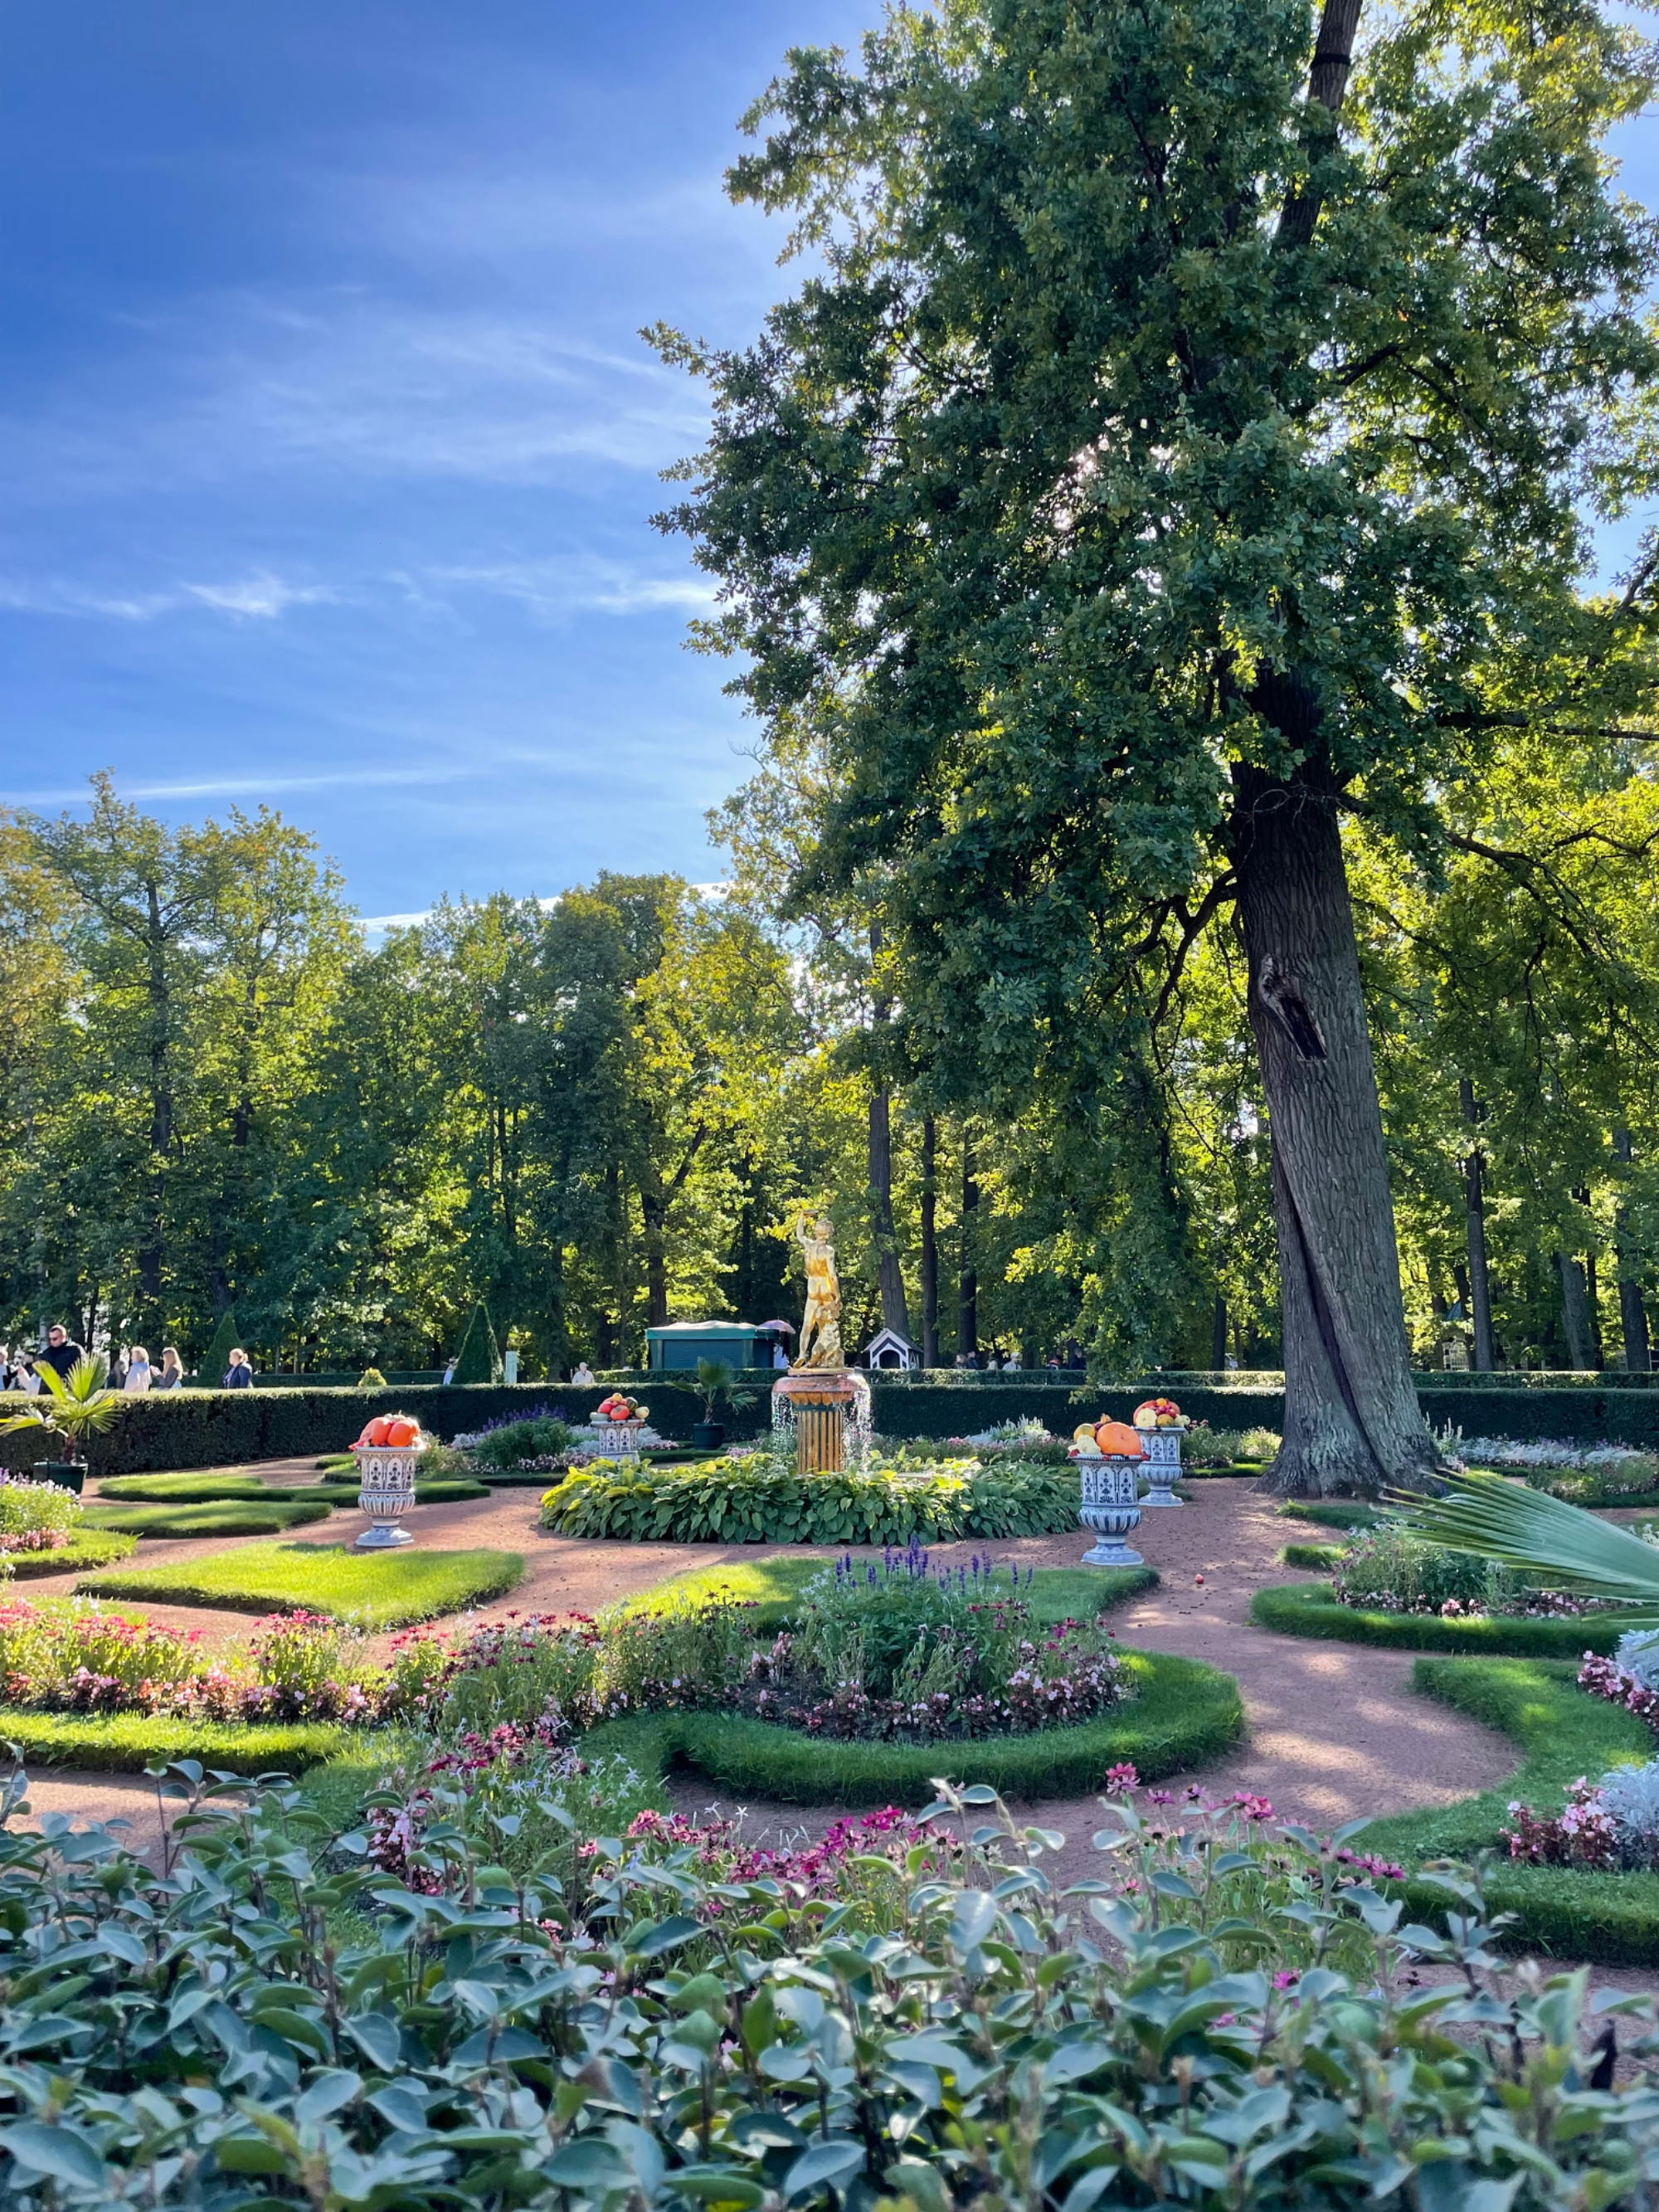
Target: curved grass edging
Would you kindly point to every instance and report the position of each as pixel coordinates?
(1562, 1733)
(381, 1589)
(126, 1743)
(1310, 1609)
(1184, 1714)
(87, 1547)
(268, 1515)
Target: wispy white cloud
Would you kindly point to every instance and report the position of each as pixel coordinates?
(262, 597)
(277, 783)
(556, 589)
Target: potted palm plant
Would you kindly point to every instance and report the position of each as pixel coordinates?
(74, 1406)
(715, 1378)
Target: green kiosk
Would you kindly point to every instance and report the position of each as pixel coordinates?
(684, 1343)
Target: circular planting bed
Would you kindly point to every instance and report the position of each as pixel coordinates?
(1314, 1609)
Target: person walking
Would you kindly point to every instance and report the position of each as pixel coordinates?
(60, 1350)
(238, 1375)
(172, 1372)
(140, 1374)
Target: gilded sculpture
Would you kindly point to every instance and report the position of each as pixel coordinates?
(820, 1328)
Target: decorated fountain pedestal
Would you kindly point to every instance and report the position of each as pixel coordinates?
(1110, 1508)
(820, 1401)
(386, 1475)
(619, 1422)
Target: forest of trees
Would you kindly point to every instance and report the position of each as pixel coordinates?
(600, 1111)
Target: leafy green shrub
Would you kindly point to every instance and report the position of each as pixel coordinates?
(265, 1515)
(517, 1442)
(36, 1517)
(1251, 2031)
(386, 1590)
(756, 1502)
(1388, 1570)
(371, 1379)
(478, 1361)
(1331, 1513)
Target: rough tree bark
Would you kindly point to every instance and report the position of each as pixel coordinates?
(968, 1279)
(1633, 1314)
(1575, 1313)
(929, 1241)
(1474, 1204)
(1218, 1335)
(895, 1313)
(1352, 1420)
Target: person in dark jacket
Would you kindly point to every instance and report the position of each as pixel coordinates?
(238, 1375)
(61, 1351)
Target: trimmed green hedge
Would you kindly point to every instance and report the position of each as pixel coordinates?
(1311, 1609)
(1335, 1513)
(225, 1428)
(87, 1547)
(179, 1489)
(727, 1502)
(1562, 1733)
(126, 1743)
(1321, 1557)
(1184, 1714)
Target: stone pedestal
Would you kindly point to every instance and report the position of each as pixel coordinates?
(386, 1475)
(821, 1398)
(1162, 1466)
(618, 1439)
(1110, 1508)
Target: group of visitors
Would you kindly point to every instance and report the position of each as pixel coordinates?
(131, 1371)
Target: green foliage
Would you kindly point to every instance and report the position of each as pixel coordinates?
(478, 1360)
(240, 1516)
(1142, 2055)
(215, 1361)
(1321, 1557)
(1312, 1609)
(1389, 1568)
(1334, 1513)
(755, 1502)
(372, 1379)
(508, 1448)
(1543, 1536)
(389, 1589)
(717, 1383)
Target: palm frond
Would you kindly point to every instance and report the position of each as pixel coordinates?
(1537, 1534)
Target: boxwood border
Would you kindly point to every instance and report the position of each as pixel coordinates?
(1562, 1732)
(1185, 1714)
(1311, 1609)
(86, 1549)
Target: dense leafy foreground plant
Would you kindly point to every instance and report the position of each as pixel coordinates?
(1227, 2015)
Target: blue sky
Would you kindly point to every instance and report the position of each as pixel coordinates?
(330, 442)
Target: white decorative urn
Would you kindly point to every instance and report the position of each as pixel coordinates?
(386, 1475)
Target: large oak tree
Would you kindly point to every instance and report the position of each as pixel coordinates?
(1188, 431)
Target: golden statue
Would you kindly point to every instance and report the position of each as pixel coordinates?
(820, 1328)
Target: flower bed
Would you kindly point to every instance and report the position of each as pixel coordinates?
(1312, 1609)
(760, 1500)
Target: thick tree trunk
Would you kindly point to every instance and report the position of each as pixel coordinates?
(654, 1214)
(1352, 1420)
(1575, 1313)
(929, 1241)
(1218, 1335)
(890, 1275)
(1474, 1206)
(1633, 1314)
(968, 1279)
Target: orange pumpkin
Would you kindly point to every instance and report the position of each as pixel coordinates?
(401, 1430)
(1119, 1441)
(375, 1432)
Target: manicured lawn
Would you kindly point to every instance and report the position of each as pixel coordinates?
(386, 1590)
(179, 1489)
(265, 1514)
(126, 1743)
(773, 1588)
